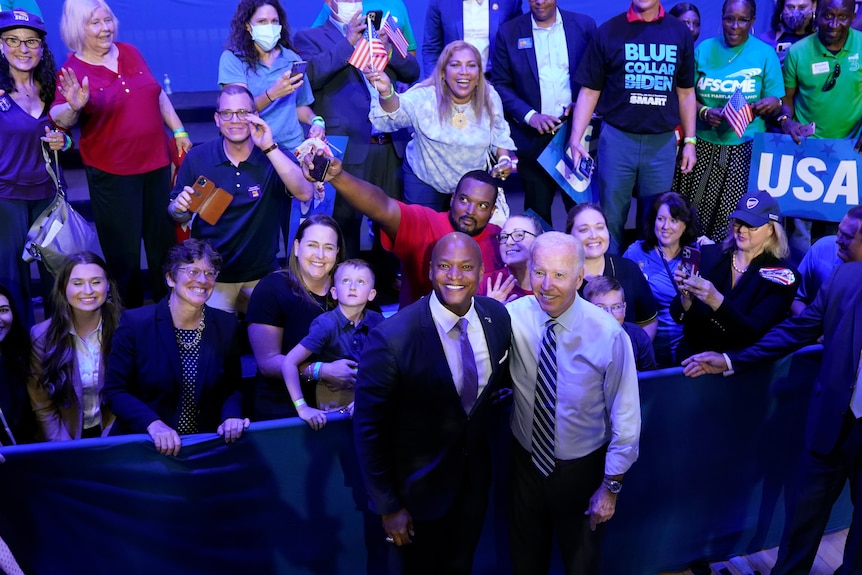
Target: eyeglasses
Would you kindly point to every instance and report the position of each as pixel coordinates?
(195, 273)
(228, 114)
(740, 22)
(830, 81)
(516, 235)
(738, 224)
(14, 42)
(614, 309)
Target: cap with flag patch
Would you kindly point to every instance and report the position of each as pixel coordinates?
(756, 209)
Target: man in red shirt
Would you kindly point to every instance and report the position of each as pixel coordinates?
(410, 231)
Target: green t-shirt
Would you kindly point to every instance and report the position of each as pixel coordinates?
(26, 5)
(807, 67)
(720, 69)
(395, 7)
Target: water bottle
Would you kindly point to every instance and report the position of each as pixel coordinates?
(168, 89)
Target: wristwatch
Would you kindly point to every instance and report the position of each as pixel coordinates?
(612, 485)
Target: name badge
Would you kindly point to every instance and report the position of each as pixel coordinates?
(820, 68)
(254, 192)
(525, 43)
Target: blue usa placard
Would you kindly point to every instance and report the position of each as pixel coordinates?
(817, 179)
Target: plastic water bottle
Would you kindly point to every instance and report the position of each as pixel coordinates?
(168, 89)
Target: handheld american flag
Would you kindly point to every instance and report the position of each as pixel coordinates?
(369, 50)
(396, 36)
(737, 112)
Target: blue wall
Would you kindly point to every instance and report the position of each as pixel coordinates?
(184, 38)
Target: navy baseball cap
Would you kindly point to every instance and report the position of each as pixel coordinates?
(756, 209)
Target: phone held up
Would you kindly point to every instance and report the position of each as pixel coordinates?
(376, 18)
(298, 67)
(690, 261)
(320, 168)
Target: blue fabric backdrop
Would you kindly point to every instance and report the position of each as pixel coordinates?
(717, 459)
(184, 38)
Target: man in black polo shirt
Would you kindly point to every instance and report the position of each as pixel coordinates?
(247, 164)
(639, 70)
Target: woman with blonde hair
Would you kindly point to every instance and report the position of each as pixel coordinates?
(743, 287)
(458, 121)
(70, 351)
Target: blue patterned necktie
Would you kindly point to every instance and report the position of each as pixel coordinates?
(544, 406)
(470, 380)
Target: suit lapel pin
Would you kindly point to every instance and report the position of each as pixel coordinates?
(495, 6)
(488, 319)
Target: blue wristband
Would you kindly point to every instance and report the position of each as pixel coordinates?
(316, 371)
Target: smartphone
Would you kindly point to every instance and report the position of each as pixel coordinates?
(298, 67)
(782, 47)
(691, 261)
(321, 166)
(203, 189)
(585, 167)
(376, 18)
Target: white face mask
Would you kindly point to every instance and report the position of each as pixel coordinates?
(347, 10)
(266, 35)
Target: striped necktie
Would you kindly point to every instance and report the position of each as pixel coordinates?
(544, 406)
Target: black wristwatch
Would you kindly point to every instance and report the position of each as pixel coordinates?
(612, 485)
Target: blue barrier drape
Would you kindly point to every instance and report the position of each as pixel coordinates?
(717, 461)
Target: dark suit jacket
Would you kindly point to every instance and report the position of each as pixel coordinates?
(414, 441)
(144, 380)
(444, 23)
(341, 95)
(837, 314)
(516, 74)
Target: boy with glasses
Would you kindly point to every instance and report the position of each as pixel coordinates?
(607, 293)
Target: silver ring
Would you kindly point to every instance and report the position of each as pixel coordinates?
(390, 539)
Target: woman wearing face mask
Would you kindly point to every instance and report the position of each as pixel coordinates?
(70, 351)
(260, 57)
(458, 119)
(792, 21)
(107, 89)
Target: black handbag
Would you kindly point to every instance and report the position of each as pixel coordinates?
(59, 231)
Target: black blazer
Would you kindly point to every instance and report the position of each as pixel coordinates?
(515, 74)
(837, 314)
(340, 93)
(144, 378)
(414, 441)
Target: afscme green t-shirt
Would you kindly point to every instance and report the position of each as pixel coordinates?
(807, 68)
(720, 69)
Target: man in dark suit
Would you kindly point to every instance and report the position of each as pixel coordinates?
(424, 398)
(535, 58)
(474, 21)
(833, 434)
(343, 98)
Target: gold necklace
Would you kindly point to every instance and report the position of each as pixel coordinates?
(199, 333)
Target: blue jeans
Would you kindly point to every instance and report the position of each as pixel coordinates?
(626, 160)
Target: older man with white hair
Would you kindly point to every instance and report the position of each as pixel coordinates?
(576, 420)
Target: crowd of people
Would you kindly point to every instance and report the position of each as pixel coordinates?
(554, 324)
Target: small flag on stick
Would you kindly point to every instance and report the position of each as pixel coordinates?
(369, 50)
(396, 36)
(738, 113)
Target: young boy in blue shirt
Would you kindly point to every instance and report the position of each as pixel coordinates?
(333, 335)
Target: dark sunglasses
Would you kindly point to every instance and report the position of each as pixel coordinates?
(830, 81)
